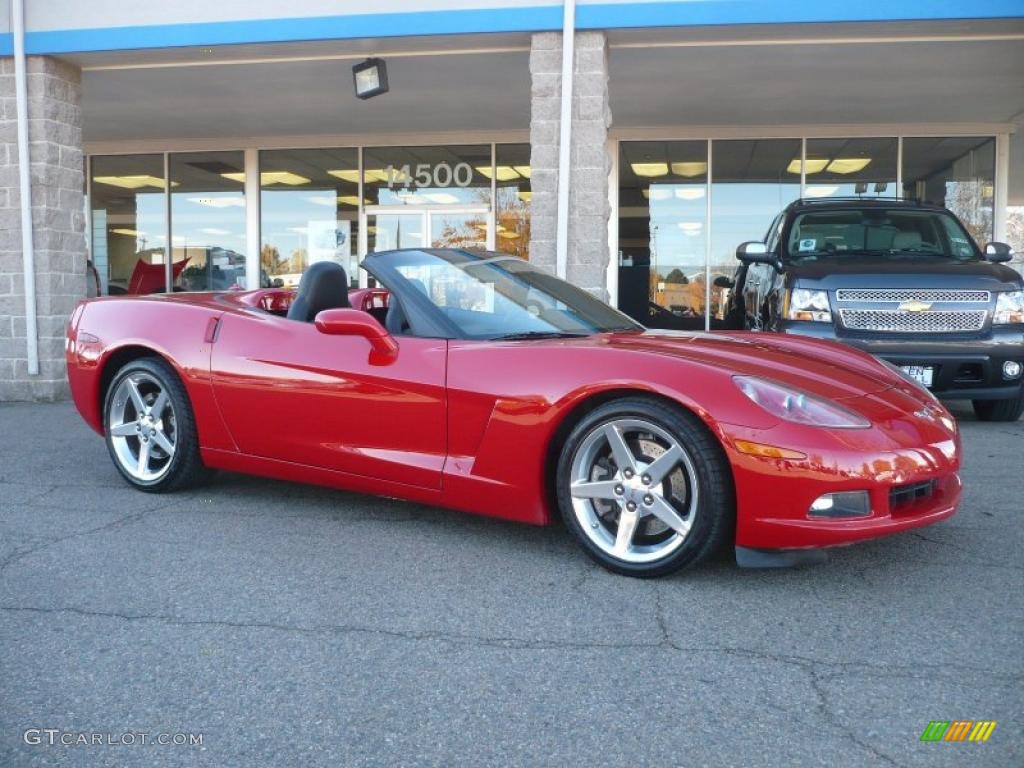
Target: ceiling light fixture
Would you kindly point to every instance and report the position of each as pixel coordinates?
(649, 170)
(502, 172)
(812, 164)
(689, 169)
(350, 176)
(131, 182)
(689, 193)
(846, 165)
(824, 191)
(271, 177)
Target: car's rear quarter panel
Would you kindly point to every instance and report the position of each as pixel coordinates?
(174, 329)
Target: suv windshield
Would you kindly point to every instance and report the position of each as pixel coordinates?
(878, 231)
(495, 296)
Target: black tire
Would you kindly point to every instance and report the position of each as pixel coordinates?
(185, 467)
(714, 515)
(999, 410)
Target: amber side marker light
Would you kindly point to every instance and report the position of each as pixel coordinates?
(767, 451)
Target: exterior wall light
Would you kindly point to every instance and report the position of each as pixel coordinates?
(370, 78)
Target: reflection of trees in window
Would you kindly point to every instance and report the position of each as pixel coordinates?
(513, 224)
(676, 276)
(471, 233)
(971, 201)
(1015, 231)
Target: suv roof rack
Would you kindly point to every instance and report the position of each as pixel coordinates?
(858, 199)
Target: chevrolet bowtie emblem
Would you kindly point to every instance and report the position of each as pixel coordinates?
(915, 306)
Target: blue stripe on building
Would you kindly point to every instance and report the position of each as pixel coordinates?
(505, 19)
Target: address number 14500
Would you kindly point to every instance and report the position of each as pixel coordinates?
(426, 175)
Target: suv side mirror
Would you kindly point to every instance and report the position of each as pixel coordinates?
(354, 322)
(998, 252)
(755, 252)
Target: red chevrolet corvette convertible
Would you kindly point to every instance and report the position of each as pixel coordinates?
(479, 382)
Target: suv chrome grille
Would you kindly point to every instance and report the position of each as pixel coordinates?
(896, 321)
(910, 294)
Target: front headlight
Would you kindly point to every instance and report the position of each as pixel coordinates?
(806, 304)
(1009, 307)
(794, 405)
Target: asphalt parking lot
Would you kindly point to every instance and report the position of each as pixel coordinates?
(292, 625)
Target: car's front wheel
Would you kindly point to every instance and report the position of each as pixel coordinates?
(150, 429)
(645, 487)
(999, 410)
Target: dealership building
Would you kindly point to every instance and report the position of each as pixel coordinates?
(194, 146)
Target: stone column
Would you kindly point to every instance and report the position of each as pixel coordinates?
(58, 222)
(590, 162)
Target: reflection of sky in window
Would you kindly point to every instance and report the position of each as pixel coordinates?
(208, 219)
(285, 214)
(741, 212)
(677, 227)
(150, 216)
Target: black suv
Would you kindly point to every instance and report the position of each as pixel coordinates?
(898, 278)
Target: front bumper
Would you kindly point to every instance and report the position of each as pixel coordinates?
(969, 369)
(774, 496)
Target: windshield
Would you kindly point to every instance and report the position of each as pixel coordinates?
(879, 232)
(495, 296)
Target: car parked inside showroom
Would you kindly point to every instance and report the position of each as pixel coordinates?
(480, 382)
(901, 279)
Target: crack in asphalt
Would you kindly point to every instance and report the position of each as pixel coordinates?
(966, 551)
(825, 708)
(120, 522)
(815, 669)
(924, 671)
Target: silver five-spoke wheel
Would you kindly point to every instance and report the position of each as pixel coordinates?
(634, 490)
(142, 427)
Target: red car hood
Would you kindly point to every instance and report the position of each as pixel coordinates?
(823, 368)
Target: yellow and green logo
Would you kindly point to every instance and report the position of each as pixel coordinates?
(958, 730)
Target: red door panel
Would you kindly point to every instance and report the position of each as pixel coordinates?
(292, 393)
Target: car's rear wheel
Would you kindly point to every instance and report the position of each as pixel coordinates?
(150, 429)
(645, 488)
(999, 410)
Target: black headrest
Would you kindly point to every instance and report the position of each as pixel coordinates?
(323, 286)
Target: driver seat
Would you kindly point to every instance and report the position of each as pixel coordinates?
(323, 286)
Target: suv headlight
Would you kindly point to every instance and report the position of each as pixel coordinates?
(794, 405)
(804, 304)
(1009, 307)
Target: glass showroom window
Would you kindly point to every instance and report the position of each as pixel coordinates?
(208, 220)
(958, 172)
(445, 192)
(512, 199)
(663, 232)
(309, 212)
(129, 222)
(851, 168)
(752, 181)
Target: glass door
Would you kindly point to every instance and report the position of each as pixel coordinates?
(389, 228)
(388, 231)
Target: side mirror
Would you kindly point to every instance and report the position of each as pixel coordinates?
(353, 322)
(723, 282)
(998, 252)
(755, 252)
